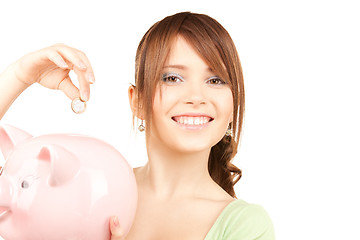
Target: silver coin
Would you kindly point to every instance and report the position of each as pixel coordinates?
(78, 106)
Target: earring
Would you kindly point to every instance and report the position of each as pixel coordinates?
(142, 126)
(229, 132)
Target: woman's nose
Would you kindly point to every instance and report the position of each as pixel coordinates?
(195, 94)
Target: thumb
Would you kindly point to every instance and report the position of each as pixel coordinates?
(117, 232)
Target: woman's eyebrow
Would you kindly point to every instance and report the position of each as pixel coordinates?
(182, 67)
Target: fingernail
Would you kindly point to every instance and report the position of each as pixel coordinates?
(82, 65)
(84, 96)
(116, 221)
(91, 77)
(61, 63)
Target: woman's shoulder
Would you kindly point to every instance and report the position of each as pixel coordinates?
(242, 220)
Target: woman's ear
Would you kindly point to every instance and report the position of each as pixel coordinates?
(134, 102)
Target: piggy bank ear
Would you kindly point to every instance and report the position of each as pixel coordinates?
(11, 136)
(64, 165)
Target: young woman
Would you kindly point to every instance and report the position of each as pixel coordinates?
(189, 97)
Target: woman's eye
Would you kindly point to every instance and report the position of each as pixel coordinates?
(171, 78)
(216, 81)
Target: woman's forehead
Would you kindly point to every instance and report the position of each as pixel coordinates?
(183, 56)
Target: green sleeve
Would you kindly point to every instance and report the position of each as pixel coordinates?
(249, 223)
(242, 221)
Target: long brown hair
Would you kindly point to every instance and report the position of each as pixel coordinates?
(214, 44)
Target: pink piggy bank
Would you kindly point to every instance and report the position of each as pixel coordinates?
(63, 187)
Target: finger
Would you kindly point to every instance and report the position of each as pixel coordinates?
(84, 85)
(71, 56)
(70, 90)
(78, 60)
(56, 58)
(116, 230)
(89, 72)
(81, 66)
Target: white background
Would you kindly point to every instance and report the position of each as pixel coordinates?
(300, 148)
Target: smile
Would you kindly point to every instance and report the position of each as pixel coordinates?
(192, 120)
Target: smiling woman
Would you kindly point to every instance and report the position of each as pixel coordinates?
(189, 90)
(189, 94)
(180, 105)
(200, 41)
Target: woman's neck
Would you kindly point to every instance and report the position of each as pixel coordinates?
(170, 174)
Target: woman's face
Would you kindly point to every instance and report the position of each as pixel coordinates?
(192, 106)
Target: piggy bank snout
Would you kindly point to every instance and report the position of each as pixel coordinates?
(5, 195)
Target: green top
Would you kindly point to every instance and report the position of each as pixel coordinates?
(242, 221)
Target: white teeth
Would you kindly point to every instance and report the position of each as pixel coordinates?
(192, 120)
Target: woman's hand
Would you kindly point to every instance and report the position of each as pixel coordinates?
(115, 229)
(50, 67)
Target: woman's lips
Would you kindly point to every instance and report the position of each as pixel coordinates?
(192, 121)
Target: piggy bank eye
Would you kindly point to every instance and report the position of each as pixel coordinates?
(25, 184)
